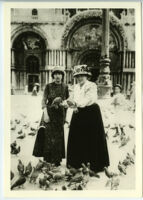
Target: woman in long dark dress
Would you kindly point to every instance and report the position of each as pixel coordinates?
(50, 138)
(87, 141)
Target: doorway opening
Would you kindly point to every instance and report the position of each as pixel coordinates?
(32, 68)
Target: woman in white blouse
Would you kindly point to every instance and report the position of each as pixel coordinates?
(87, 141)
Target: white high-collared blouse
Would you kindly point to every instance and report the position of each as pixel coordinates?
(85, 95)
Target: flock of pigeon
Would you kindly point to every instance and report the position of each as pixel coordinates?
(119, 136)
(46, 176)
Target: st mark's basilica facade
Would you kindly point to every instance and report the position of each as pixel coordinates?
(44, 38)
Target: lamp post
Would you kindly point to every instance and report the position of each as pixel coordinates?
(104, 82)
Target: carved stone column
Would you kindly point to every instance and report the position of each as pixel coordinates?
(104, 82)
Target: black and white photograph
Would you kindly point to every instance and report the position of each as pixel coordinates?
(73, 99)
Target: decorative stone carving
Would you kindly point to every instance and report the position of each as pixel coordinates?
(128, 18)
(31, 42)
(105, 80)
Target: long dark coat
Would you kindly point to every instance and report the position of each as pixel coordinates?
(87, 141)
(50, 140)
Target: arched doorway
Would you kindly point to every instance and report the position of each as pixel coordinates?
(85, 45)
(28, 53)
(83, 33)
(32, 69)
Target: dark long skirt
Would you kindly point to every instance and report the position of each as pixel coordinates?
(87, 141)
(49, 142)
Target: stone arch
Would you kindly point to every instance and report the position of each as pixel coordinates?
(85, 17)
(28, 28)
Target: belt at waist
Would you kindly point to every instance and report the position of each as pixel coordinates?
(86, 107)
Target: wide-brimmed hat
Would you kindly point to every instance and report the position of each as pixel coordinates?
(58, 69)
(119, 86)
(81, 70)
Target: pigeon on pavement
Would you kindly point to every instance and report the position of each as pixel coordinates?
(20, 167)
(19, 182)
(28, 169)
(122, 168)
(11, 175)
(109, 174)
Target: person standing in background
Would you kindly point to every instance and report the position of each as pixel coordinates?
(26, 90)
(34, 91)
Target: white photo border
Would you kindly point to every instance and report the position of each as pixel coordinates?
(137, 192)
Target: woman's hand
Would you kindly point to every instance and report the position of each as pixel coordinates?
(64, 104)
(75, 110)
(70, 102)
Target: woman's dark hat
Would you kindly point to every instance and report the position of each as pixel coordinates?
(119, 86)
(81, 70)
(58, 69)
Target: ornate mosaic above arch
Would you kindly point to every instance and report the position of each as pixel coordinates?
(90, 36)
(93, 14)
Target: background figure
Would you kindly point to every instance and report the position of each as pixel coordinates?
(12, 90)
(118, 97)
(26, 90)
(132, 95)
(121, 107)
(34, 91)
(128, 94)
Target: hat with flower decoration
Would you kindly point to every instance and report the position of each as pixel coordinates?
(81, 70)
